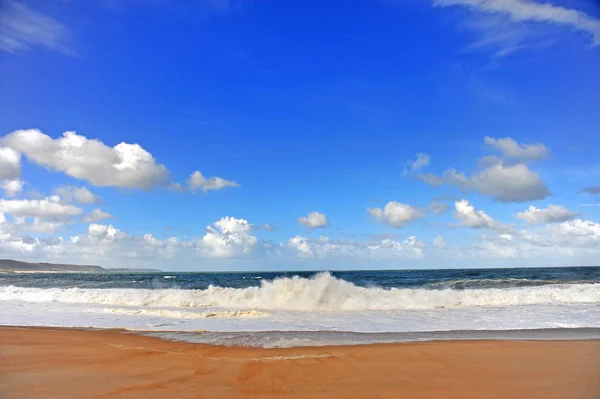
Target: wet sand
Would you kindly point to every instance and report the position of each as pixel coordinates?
(70, 363)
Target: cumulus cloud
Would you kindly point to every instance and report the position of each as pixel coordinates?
(314, 220)
(229, 237)
(472, 218)
(233, 238)
(198, 182)
(124, 165)
(302, 245)
(511, 150)
(552, 214)
(99, 234)
(439, 242)
(41, 226)
(516, 183)
(572, 238)
(505, 178)
(96, 215)
(410, 248)
(396, 214)
(22, 28)
(386, 248)
(558, 242)
(80, 195)
(12, 187)
(49, 208)
(21, 225)
(10, 164)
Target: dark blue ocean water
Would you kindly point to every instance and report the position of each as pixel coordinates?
(433, 279)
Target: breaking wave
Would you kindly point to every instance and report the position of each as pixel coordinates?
(322, 292)
(187, 315)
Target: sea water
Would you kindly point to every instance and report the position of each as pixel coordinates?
(314, 308)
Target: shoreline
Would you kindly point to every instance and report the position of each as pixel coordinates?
(58, 362)
(285, 339)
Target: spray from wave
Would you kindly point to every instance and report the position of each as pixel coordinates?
(186, 315)
(322, 292)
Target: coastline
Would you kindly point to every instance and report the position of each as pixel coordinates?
(57, 362)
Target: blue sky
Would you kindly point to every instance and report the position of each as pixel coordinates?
(304, 121)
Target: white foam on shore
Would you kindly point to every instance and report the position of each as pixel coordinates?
(186, 315)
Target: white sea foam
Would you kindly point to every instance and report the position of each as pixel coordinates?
(321, 293)
(185, 315)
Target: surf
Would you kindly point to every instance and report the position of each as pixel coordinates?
(322, 292)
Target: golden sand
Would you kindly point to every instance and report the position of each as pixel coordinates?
(70, 363)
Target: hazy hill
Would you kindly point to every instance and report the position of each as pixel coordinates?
(15, 265)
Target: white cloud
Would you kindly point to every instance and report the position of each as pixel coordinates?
(152, 241)
(411, 248)
(232, 238)
(516, 183)
(99, 234)
(430, 179)
(12, 187)
(521, 11)
(10, 164)
(198, 182)
(552, 214)
(269, 227)
(501, 178)
(472, 218)
(577, 228)
(396, 214)
(314, 220)
(324, 247)
(229, 237)
(81, 195)
(40, 226)
(124, 165)
(439, 242)
(572, 238)
(517, 152)
(499, 246)
(438, 207)
(21, 225)
(302, 245)
(96, 215)
(49, 208)
(22, 28)
(421, 160)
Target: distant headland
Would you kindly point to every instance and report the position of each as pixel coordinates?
(11, 265)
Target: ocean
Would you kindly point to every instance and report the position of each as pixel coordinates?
(273, 309)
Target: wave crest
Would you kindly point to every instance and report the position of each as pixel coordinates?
(322, 292)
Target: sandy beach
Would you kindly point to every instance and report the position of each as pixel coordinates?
(61, 363)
